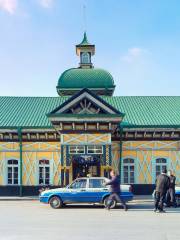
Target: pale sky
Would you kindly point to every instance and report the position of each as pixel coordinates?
(138, 42)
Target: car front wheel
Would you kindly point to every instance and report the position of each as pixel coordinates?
(55, 202)
(111, 203)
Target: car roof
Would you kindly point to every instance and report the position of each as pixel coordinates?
(91, 178)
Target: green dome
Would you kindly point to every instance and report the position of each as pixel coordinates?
(75, 79)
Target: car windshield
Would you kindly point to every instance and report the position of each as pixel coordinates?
(96, 183)
(79, 183)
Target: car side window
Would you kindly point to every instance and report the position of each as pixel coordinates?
(79, 183)
(96, 183)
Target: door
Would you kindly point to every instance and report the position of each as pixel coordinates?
(77, 191)
(96, 189)
(86, 164)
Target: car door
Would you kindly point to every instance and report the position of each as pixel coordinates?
(77, 191)
(96, 189)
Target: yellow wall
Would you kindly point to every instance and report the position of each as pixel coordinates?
(144, 154)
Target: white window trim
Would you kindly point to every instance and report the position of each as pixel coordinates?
(129, 164)
(14, 165)
(50, 171)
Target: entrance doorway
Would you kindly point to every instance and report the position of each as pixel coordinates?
(86, 164)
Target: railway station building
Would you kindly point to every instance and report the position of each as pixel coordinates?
(85, 129)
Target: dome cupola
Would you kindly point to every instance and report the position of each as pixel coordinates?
(97, 80)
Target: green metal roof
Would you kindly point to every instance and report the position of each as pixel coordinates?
(84, 41)
(85, 78)
(141, 111)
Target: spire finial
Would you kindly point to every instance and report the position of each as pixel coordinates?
(84, 17)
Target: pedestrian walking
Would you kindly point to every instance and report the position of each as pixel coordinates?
(162, 185)
(115, 191)
(170, 196)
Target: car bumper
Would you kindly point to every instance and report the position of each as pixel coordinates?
(43, 199)
(127, 196)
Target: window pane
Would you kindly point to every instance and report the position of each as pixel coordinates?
(15, 181)
(131, 179)
(9, 175)
(41, 181)
(125, 168)
(95, 149)
(40, 175)
(15, 162)
(15, 175)
(77, 149)
(128, 160)
(46, 181)
(125, 180)
(158, 168)
(16, 169)
(96, 183)
(164, 167)
(161, 160)
(9, 169)
(131, 168)
(79, 184)
(9, 180)
(85, 58)
(44, 162)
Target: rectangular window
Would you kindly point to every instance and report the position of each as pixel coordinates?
(44, 175)
(128, 174)
(12, 174)
(77, 149)
(161, 163)
(94, 149)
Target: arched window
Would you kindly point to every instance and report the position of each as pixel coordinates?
(13, 172)
(128, 171)
(44, 172)
(85, 58)
(161, 163)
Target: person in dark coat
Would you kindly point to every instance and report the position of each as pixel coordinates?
(170, 196)
(115, 190)
(162, 185)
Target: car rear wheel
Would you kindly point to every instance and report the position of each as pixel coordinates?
(55, 202)
(112, 203)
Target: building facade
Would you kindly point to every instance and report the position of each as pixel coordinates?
(49, 141)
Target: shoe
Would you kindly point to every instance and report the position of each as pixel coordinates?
(155, 209)
(107, 208)
(125, 208)
(161, 211)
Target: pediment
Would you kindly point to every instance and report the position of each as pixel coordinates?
(84, 103)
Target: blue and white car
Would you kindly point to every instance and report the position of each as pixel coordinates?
(177, 195)
(83, 190)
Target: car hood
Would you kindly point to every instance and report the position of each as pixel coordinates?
(59, 190)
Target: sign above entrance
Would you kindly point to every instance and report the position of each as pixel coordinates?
(86, 159)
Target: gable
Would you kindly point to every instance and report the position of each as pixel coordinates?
(85, 102)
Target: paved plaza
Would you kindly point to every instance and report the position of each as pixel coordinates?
(25, 220)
